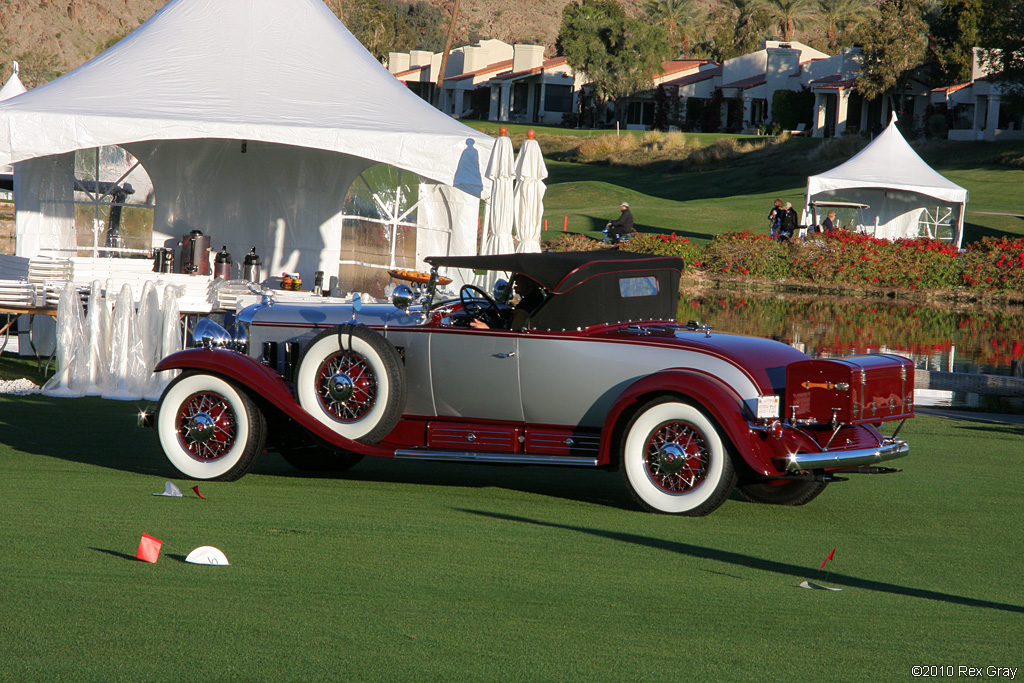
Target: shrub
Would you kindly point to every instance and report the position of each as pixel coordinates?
(719, 150)
(843, 257)
(570, 241)
(607, 148)
(994, 263)
(667, 245)
(744, 253)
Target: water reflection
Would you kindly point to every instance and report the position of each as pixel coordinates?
(937, 337)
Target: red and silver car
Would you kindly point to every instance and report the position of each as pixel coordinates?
(590, 369)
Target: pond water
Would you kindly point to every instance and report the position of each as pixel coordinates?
(943, 338)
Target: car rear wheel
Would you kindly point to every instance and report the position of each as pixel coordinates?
(351, 379)
(208, 428)
(675, 461)
(782, 492)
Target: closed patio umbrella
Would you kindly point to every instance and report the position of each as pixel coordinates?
(529, 195)
(500, 176)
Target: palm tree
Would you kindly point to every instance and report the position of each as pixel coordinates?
(840, 15)
(789, 13)
(677, 16)
(745, 15)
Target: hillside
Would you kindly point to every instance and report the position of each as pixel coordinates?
(51, 37)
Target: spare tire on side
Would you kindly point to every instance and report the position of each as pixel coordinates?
(351, 379)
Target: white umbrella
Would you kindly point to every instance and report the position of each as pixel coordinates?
(529, 195)
(500, 174)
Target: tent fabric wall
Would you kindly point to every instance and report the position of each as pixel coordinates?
(890, 177)
(45, 223)
(188, 87)
(285, 201)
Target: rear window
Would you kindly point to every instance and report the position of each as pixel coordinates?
(630, 287)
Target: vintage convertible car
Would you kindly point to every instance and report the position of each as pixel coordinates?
(597, 373)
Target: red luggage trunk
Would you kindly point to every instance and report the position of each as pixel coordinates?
(850, 391)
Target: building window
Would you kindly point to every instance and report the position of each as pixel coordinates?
(558, 98)
(520, 96)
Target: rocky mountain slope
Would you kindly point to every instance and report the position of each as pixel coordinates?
(51, 37)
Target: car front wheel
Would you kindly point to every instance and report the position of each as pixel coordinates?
(208, 428)
(675, 461)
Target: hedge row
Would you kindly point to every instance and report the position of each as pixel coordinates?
(847, 258)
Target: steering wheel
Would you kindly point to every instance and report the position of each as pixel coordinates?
(480, 305)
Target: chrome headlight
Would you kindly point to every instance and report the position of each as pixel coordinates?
(209, 335)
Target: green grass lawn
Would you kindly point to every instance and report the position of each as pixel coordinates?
(431, 572)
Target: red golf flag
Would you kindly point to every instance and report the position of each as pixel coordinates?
(196, 489)
(830, 556)
(149, 549)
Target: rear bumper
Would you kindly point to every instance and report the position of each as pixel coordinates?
(888, 450)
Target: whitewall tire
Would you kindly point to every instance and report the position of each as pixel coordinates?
(209, 428)
(351, 379)
(675, 461)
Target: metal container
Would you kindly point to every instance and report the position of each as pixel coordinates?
(222, 264)
(252, 267)
(195, 253)
(163, 260)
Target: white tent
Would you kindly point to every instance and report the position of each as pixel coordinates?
(252, 118)
(904, 195)
(12, 87)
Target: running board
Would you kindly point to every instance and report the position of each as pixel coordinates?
(496, 458)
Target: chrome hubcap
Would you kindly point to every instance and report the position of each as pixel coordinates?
(340, 387)
(201, 427)
(677, 457)
(671, 458)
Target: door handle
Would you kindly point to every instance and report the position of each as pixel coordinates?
(505, 355)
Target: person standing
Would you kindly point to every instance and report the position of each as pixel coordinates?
(789, 223)
(775, 219)
(620, 227)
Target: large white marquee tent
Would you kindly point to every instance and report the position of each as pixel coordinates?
(252, 118)
(905, 197)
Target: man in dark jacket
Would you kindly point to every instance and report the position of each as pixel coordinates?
(789, 223)
(621, 226)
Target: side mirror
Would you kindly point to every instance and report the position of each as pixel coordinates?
(402, 297)
(501, 290)
(357, 302)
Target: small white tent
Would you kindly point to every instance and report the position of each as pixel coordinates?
(904, 195)
(12, 87)
(252, 118)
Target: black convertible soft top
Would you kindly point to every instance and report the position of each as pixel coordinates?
(589, 287)
(560, 271)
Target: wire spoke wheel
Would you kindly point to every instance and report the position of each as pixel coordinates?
(677, 457)
(346, 387)
(351, 379)
(207, 426)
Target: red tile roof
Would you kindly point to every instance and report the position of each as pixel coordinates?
(695, 78)
(490, 68)
(953, 88)
(546, 64)
(677, 65)
(744, 83)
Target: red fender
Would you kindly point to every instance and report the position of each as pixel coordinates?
(705, 391)
(263, 383)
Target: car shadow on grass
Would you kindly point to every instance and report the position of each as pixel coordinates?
(91, 431)
(738, 559)
(584, 485)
